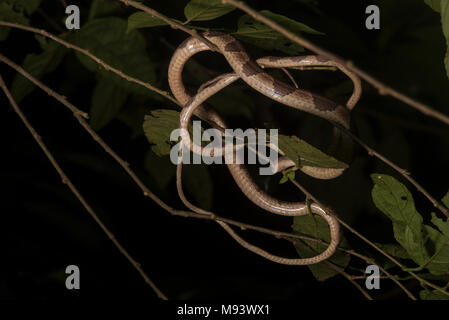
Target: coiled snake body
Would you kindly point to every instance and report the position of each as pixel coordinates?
(253, 74)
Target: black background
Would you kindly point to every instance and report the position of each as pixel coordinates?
(44, 228)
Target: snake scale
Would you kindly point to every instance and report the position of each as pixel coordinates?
(253, 74)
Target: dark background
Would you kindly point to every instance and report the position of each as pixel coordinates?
(44, 228)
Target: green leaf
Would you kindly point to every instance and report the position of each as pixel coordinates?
(434, 4)
(107, 39)
(37, 65)
(26, 6)
(396, 202)
(257, 33)
(443, 226)
(443, 8)
(427, 246)
(394, 250)
(446, 200)
(445, 26)
(439, 261)
(158, 127)
(101, 8)
(143, 20)
(316, 227)
(16, 11)
(432, 295)
(303, 154)
(202, 10)
(107, 100)
(10, 14)
(289, 174)
(30, 5)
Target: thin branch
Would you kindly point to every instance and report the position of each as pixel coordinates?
(131, 173)
(134, 177)
(383, 88)
(396, 262)
(80, 117)
(338, 269)
(368, 260)
(52, 93)
(171, 22)
(390, 276)
(76, 192)
(85, 52)
(146, 191)
(349, 278)
(401, 171)
(168, 96)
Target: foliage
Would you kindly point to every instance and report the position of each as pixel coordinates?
(443, 8)
(138, 123)
(426, 246)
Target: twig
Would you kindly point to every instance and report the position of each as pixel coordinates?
(390, 276)
(333, 266)
(132, 174)
(171, 22)
(85, 52)
(383, 88)
(362, 257)
(80, 117)
(76, 192)
(168, 96)
(392, 259)
(146, 191)
(401, 171)
(305, 43)
(349, 278)
(54, 94)
(141, 185)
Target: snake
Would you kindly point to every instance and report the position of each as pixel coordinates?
(253, 74)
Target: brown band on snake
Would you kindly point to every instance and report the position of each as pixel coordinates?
(183, 44)
(274, 59)
(234, 46)
(211, 34)
(324, 104)
(298, 58)
(281, 88)
(321, 58)
(251, 68)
